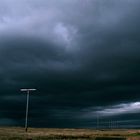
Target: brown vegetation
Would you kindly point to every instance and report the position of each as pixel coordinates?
(67, 134)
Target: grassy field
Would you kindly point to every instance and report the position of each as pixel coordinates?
(10, 133)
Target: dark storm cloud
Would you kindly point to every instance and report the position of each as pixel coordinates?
(83, 57)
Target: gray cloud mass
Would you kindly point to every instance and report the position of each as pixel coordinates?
(81, 55)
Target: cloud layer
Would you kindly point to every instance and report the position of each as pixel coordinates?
(78, 54)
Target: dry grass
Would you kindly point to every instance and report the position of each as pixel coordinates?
(12, 133)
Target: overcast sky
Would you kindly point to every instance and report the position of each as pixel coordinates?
(82, 56)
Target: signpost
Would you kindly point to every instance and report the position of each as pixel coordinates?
(27, 106)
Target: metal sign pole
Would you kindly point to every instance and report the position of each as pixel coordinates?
(27, 106)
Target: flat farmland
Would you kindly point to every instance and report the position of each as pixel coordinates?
(17, 133)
